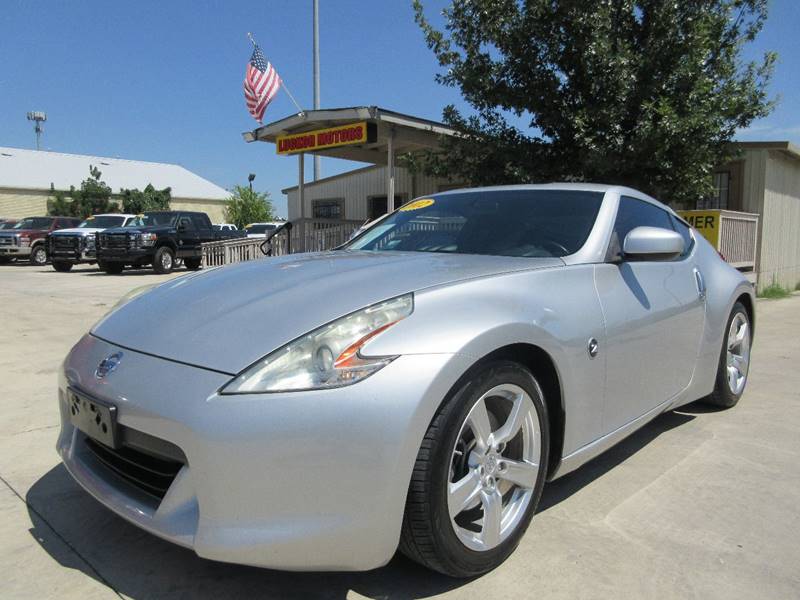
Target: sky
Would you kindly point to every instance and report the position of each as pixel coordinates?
(162, 81)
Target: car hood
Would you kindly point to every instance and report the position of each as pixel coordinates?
(78, 230)
(225, 319)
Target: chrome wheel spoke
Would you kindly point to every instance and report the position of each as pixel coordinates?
(521, 473)
(492, 503)
(519, 412)
(733, 377)
(463, 492)
(478, 420)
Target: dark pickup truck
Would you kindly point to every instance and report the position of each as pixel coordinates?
(158, 238)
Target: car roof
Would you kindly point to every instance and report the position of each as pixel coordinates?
(584, 187)
(113, 215)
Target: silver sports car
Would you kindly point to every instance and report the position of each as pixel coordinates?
(415, 388)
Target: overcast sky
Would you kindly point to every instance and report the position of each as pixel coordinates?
(161, 81)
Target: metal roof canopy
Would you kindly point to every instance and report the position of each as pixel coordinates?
(396, 133)
(410, 133)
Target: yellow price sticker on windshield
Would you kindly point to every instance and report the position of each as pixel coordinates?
(417, 204)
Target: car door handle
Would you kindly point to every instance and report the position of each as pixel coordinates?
(701, 284)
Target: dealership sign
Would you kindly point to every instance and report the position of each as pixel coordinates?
(704, 221)
(320, 139)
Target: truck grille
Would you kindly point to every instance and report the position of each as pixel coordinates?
(7, 240)
(149, 473)
(114, 240)
(66, 242)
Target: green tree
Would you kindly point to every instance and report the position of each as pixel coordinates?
(138, 201)
(246, 206)
(646, 93)
(93, 197)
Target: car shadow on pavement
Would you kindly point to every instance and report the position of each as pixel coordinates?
(79, 533)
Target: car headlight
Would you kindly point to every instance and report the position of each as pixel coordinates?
(23, 240)
(328, 357)
(147, 239)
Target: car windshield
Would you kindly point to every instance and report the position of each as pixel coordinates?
(34, 223)
(527, 223)
(155, 218)
(262, 228)
(7, 224)
(102, 222)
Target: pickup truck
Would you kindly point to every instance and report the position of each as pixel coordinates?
(158, 238)
(27, 238)
(68, 247)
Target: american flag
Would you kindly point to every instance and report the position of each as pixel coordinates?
(261, 83)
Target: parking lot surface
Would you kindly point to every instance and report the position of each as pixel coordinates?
(698, 504)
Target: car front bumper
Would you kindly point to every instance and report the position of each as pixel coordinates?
(301, 481)
(13, 250)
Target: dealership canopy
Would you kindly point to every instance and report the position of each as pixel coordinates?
(365, 134)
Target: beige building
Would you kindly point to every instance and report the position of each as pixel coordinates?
(27, 178)
(765, 180)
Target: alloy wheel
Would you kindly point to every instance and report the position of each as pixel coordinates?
(494, 467)
(738, 354)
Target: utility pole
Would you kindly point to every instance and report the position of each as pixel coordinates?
(316, 77)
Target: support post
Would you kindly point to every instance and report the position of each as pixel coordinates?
(301, 193)
(390, 173)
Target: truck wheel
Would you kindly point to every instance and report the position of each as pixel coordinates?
(113, 268)
(164, 260)
(62, 266)
(192, 263)
(39, 255)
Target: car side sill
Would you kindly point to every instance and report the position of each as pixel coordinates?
(589, 451)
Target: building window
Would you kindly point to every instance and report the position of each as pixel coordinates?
(719, 199)
(328, 209)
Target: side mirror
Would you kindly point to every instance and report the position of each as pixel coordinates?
(652, 243)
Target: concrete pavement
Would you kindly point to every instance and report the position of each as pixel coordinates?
(698, 504)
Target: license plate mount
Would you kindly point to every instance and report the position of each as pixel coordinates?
(96, 419)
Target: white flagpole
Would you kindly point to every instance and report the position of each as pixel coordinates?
(283, 85)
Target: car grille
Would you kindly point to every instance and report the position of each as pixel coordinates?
(7, 240)
(114, 240)
(149, 473)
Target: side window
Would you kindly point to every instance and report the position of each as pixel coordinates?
(187, 223)
(686, 234)
(199, 222)
(634, 213)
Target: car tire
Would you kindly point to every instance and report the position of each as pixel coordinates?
(4, 260)
(38, 255)
(451, 540)
(192, 263)
(62, 266)
(164, 260)
(734, 360)
(113, 268)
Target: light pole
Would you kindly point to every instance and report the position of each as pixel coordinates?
(250, 181)
(38, 118)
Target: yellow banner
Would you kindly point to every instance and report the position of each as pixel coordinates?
(344, 135)
(706, 222)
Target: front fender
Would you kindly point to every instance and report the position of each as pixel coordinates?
(554, 309)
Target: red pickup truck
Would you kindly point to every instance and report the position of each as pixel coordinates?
(26, 239)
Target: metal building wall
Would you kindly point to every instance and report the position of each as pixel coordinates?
(780, 239)
(17, 204)
(356, 187)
